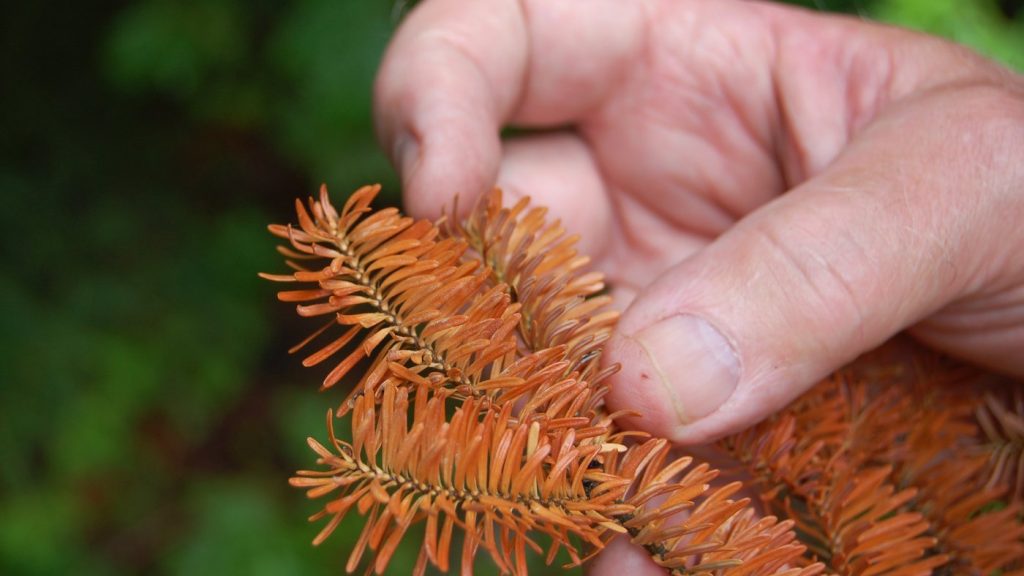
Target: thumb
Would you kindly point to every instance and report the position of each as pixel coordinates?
(739, 329)
(900, 225)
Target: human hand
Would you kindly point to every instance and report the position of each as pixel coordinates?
(774, 191)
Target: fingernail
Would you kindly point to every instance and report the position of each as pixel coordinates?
(696, 366)
(405, 153)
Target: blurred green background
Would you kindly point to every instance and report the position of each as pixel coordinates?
(149, 415)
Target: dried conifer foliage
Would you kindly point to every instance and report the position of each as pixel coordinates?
(472, 349)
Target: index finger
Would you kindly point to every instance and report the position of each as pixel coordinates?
(457, 71)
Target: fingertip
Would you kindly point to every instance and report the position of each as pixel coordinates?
(701, 356)
(621, 557)
(457, 163)
(440, 131)
(678, 371)
(448, 82)
(634, 389)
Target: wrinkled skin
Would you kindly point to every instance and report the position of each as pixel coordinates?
(770, 191)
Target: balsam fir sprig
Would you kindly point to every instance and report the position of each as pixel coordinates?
(478, 408)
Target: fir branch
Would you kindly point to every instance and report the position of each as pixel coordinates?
(415, 301)
(1002, 420)
(560, 409)
(813, 465)
(482, 408)
(908, 424)
(561, 300)
(690, 528)
(476, 469)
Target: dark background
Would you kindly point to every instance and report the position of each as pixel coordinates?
(149, 415)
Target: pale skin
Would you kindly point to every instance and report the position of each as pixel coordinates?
(770, 191)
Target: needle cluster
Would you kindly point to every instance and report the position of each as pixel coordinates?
(472, 351)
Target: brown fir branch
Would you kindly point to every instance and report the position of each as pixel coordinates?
(497, 480)
(559, 406)
(944, 457)
(558, 297)
(421, 310)
(500, 481)
(940, 453)
(501, 316)
(813, 464)
(901, 420)
(561, 299)
(1001, 418)
(691, 528)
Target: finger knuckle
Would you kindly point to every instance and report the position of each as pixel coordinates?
(821, 275)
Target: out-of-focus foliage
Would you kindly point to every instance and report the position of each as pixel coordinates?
(148, 416)
(297, 73)
(984, 25)
(993, 27)
(148, 420)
